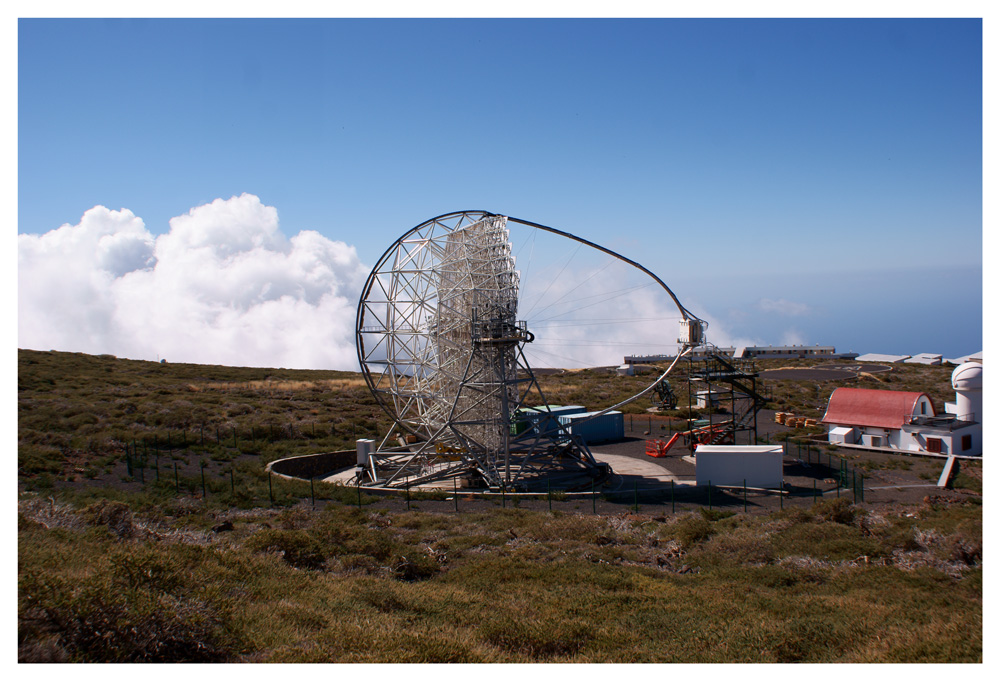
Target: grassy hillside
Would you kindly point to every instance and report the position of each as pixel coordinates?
(113, 570)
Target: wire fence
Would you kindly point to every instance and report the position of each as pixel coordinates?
(160, 464)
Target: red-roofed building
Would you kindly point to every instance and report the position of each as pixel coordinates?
(892, 419)
(885, 409)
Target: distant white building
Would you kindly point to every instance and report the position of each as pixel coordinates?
(753, 352)
(792, 352)
(924, 358)
(891, 419)
(975, 357)
(875, 357)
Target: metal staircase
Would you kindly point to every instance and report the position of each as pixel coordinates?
(744, 399)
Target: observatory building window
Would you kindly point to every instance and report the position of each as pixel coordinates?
(966, 442)
(934, 445)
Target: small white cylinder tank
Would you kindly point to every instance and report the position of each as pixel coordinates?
(967, 380)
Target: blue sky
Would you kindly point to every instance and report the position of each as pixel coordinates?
(835, 165)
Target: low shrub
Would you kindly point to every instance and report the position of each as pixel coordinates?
(691, 529)
(839, 510)
(297, 547)
(742, 546)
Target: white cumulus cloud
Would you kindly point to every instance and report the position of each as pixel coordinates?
(223, 286)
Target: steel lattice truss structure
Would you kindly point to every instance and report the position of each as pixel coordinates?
(441, 349)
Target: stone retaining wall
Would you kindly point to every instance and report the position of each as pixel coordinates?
(314, 465)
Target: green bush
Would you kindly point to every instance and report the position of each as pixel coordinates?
(297, 547)
(691, 529)
(839, 510)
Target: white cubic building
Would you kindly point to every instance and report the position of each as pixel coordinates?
(732, 465)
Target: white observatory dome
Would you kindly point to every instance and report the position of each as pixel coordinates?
(968, 376)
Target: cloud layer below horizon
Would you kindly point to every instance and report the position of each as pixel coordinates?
(223, 286)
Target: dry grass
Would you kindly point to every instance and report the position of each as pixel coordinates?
(350, 585)
(268, 386)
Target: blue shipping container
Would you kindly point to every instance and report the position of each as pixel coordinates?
(608, 427)
(547, 421)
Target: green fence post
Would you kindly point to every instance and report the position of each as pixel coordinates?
(157, 466)
(709, 495)
(861, 488)
(503, 494)
(454, 482)
(814, 492)
(781, 499)
(359, 490)
(636, 496)
(593, 495)
(312, 491)
(673, 509)
(548, 493)
(270, 490)
(744, 495)
(407, 496)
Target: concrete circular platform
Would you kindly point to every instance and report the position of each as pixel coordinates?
(629, 472)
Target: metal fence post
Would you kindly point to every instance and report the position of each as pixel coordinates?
(673, 509)
(312, 491)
